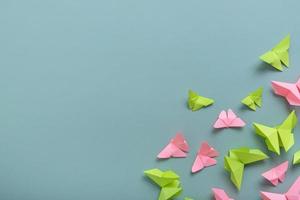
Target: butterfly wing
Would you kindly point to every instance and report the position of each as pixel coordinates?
(272, 196)
(180, 142)
(288, 90)
(271, 176)
(221, 121)
(171, 150)
(281, 50)
(257, 96)
(170, 191)
(281, 170)
(205, 101)
(207, 150)
(196, 102)
(294, 190)
(285, 131)
(248, 101)
(234, 120)
(273, 59)
(220, 194)
(208, 161)
(198, 165)
(236, 169)
(270, 135)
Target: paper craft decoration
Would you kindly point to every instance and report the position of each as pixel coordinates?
(220, 194)
(228, 120)
(290, 91)
(276, 174)
(205, 157)
(254, 99)
(279, 54)
(168, 181)
(196, 102)
(292, 194)
(177, 148)
(278, 136)
(237, 159)
(296, 159)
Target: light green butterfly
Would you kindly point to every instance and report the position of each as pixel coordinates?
(168, 182)
(196, 102)
(278, 136)
(254, 99)
(237, 159)
(279, 54)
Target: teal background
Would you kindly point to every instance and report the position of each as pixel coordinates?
(92, 90)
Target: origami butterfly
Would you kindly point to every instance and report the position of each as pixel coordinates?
(290, 91)
(279, 54)
(292, 194)
(168, 181)
(205, 157)
(279, 136)
(196, 102)
(220, 194)
(237, 159)
(177, 148)
(254, 99)
(276, 174)
(229, 119)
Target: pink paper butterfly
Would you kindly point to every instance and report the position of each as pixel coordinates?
(220, 194)
(229, 119)
(205, 157)
(177, 148)
(290, 91)
(277, 173)
(292, 194)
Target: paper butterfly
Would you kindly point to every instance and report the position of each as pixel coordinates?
(290, 91)
(196, 102)
(237, 159)
(220, 194)
(292, 194)
(276, 174)
(229, 119)
(279, 54)
(205, 157)
(168, 182)
(278, 136)
(177, 148)
(254, 99)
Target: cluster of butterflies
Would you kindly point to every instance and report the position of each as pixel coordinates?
(274, 137)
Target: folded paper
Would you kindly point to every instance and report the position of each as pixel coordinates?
(220, 194)
(278, 136)
(276, 174)
(292, 194)
(279, 54)
(228, 119)
(177, 148)
(296, 159)
(290, 91)
(254, 99)
(196, 102)
(168, 181)
(205, 157)
(236, 161)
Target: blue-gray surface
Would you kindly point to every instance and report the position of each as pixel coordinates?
(91, 91)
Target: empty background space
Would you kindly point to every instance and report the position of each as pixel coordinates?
(91, 91)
